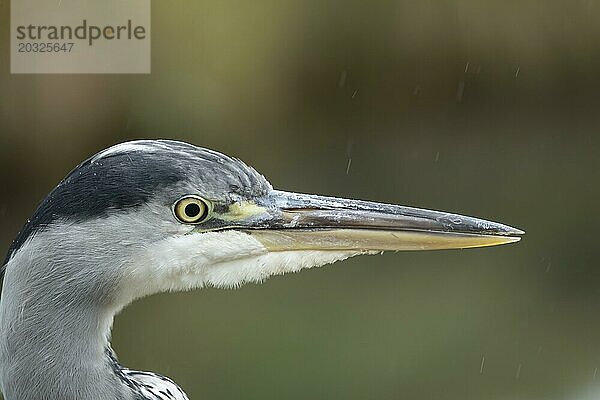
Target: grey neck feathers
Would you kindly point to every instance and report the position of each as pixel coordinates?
(54, 329)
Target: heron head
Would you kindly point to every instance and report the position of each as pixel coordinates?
(149, 216)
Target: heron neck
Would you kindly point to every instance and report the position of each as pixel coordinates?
(53, 338)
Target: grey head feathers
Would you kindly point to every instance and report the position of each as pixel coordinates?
(129, 174)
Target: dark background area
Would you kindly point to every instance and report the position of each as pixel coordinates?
(481, 108)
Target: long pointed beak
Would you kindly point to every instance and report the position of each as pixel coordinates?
(291, 221)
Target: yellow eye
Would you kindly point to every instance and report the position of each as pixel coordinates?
(191, 210)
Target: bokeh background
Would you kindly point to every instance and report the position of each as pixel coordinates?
(483, 108)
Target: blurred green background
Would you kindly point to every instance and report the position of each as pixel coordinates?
(483, 108)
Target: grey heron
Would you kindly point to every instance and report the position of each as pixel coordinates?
(150, 216)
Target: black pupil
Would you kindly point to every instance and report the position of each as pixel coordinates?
(192, 210)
